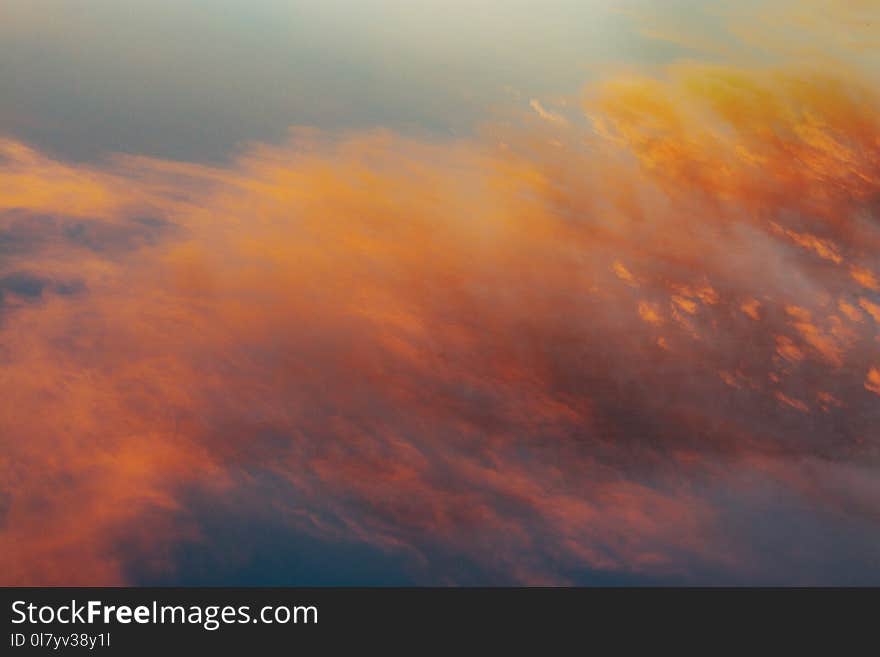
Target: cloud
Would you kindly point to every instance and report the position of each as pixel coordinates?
(546, 114)
(548, 360)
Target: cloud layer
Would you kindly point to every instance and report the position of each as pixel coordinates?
(639, 339)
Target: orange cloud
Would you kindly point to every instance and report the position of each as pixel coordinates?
(437, 346)
(872, 382)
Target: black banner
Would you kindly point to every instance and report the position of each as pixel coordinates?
(137, 620)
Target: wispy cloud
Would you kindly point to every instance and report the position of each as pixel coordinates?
(544, 113)
(616, 353)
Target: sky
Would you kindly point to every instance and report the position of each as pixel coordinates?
(445, 293)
